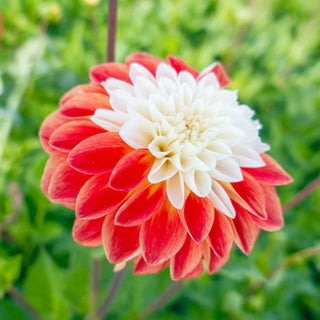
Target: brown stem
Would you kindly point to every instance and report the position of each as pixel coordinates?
(302, 194)
(158, 303)
(112, 28)
(16, 295)
(117, 280)
(295, 257)
(95, 283)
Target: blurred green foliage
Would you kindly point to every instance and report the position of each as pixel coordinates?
(271, 50)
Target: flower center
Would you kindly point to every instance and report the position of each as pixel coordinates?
(198, 133)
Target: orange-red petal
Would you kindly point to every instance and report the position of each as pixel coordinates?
(245, 229)
(102, 72)
(67, 136)
(141, 206)
(198, 216)
(98, 154)
(179, 65)
(119, 243)
(221, 235)
(131, 170)
(84, 105)
(145, 59)
(88, 232)
(163, 235)
(186, 259)
(272, 173)
(97, 199)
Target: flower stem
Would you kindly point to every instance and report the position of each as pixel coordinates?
(16, 295)
(302, 194)
(112, 28)
(158, 303)
(95, 283)
(117, 280)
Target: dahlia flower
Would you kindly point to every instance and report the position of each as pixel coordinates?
(162, 166)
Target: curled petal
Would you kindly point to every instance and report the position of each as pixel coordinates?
(67, 136)
(56, 158)
(272, 173)
(141, 206)
(251, 191)
(179, 65)
(162, 236)
(103, 71)
(198, 216)
(221, 235)
(84, 105)
(186, 260)
(88, 232)
(98, 154)
(96, 199)
(65, 185)
(245, 229)
(79, 90)
(274, 219)
(49, 125)
(131, 170)
(119, 243)
(141, 267)
(145, 59)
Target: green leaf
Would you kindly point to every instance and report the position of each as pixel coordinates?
(9, 272)
(43, 288)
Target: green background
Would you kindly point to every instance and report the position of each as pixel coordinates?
(271, 50)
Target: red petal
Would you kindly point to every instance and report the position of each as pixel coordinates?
(274, 219)
(221, 235)
(80, 89)
(65, 185)
(251, 191)
(99, 153)
(221, 74)
(216, 262)
(245, 229)
(88, 232)
(198, 215)
(163, 235)
(196, 272)
(85, 105)
(119, 242)
(56, 158)
(145, 59)
(49, 125)
(179, 65)
(141, 206)
(272, 173)
(96, 199)
(103, 71)
(186, 260)
(141, 267)
(67, 136)
(131, 170)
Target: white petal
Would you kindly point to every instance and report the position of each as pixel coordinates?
(161, 170)
(209, 80)
(144, 87)
(163, 105)
(175, 190)
(115, 84)
(140, 106)
(159, 147)
(199, 182)
(221, 200)
(137, 132)
(119, 100)
(109, 120)
(227, 170)
(247, 157)
(164, 70)
(137, 70)
(186, 77)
